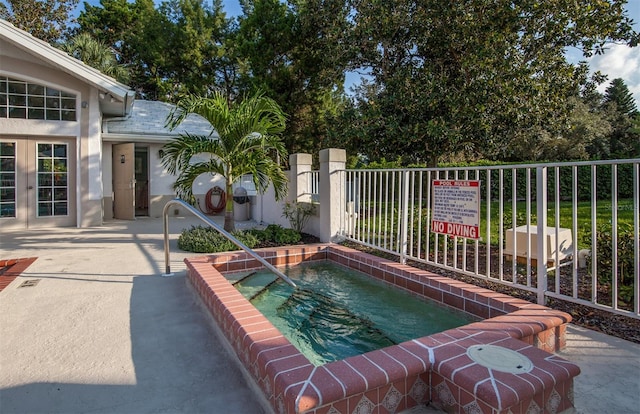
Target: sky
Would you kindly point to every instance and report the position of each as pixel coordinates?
(619, 61)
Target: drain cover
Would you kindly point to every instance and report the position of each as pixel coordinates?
(29, 283)
(500, 359)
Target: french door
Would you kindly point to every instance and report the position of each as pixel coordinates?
(37, 183)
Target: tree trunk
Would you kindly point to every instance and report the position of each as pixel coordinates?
(433, 160)
(229, 223)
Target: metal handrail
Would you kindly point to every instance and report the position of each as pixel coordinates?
(201, 216)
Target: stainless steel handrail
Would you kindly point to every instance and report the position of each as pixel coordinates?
(201, 216)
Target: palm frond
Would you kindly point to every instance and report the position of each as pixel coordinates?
(179, 152)
(248, 142)
(184, 181)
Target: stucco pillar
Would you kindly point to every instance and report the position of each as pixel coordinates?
(332, 194)
(300, 165)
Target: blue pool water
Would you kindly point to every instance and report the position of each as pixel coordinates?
(338, 312)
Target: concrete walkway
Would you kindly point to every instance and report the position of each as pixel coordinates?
(102, 332)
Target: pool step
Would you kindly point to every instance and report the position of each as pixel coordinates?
(243, 278)
(255, 283)
(264, 289)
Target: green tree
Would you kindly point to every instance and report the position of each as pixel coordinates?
(618, 92)
(293, 50)
(246, 141)
(624, 140)
(198, 56)
(588, 130)
(137, 33)
(46, 20)
(97, 55)
(468, 77)
(177, 49)
(587, 135)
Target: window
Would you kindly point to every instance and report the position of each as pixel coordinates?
(7, 179)
(52, 169)
(24, 100)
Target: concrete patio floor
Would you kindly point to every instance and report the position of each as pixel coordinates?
(103, 332)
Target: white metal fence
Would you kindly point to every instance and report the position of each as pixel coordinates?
(563, 230)
(314, 184)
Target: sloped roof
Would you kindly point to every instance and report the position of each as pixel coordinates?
(116, 98)
(146, 123)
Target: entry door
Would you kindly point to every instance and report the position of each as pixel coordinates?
(124, 182)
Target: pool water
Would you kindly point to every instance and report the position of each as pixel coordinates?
(338, 312)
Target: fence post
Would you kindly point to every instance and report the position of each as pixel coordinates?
(300, 166)
(332, 194)
(541, 211)
(405, 218)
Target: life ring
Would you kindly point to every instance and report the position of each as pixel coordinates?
(220, 205)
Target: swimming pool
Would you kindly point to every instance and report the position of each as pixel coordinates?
(441, 369)
(338, 312)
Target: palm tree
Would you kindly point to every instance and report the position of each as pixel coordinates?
(97, 55)
(247, 142)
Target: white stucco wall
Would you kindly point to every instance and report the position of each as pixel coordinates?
(94, 145)
(266, 210)
(160, 181)
(18, 64)
(107, 169)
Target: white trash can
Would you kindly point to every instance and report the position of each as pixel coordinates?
(241, 204)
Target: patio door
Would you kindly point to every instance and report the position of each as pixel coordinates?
(37, 183)
(124, 182)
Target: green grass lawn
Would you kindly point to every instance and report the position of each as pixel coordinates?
(604, 215)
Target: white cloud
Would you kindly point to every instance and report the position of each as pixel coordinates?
(620, 61)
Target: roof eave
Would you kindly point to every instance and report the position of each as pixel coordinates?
(59, 59)
(138, 138)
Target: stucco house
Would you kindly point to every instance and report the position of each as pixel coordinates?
(141, 135)
(76, 148)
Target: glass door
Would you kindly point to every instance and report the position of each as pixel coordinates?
(7, 180)
(52, 194)
(51, 190)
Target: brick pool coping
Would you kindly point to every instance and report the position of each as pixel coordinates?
(433, 369)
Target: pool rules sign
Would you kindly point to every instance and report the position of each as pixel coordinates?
(456, 208)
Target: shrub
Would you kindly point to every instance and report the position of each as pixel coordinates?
(277, 234)
(298, 214)
(287, 236)
(604, 257)
(261, 235)
(270, 232)
(199, 239)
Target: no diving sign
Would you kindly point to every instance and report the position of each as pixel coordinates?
(456, 208)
